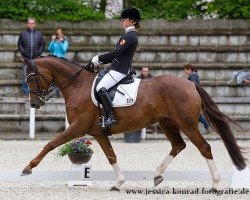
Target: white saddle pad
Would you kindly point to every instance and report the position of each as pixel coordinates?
(128, 97)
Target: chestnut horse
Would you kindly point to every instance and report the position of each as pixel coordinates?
(174, 102)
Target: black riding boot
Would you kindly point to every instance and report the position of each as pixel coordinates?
(108, 106)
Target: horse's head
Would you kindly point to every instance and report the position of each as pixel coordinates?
(38, 82)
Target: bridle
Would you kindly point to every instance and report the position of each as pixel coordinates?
(42, 93)
(39, 91)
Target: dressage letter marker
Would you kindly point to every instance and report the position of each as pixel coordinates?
(87, 171)
(85, 175)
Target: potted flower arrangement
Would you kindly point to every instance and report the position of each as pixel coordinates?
(79, 150)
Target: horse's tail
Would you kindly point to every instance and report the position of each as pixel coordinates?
(220, 123)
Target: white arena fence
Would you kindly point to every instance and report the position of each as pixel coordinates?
(32, 121)
(81, 174)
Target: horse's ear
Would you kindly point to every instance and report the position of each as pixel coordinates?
(25, 61)
(22, 60)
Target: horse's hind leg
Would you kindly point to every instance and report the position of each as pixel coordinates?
(173, 134)
(109, 152)
(192, 132)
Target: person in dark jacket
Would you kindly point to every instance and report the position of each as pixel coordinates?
(192, 74)
(194, 77)
(31, 45)
(120, 59)
(145, 73)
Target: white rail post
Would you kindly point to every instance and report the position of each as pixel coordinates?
(143, 133)
(66, 122)
(32, 123)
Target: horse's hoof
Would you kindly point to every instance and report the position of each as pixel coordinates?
(158, 180)
(115, 189)
(26, 172)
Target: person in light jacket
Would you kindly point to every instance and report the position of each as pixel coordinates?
(58, 45)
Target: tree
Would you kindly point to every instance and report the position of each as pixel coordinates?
(44, 10)
(167, 9)
(183, 9)
(233, 9)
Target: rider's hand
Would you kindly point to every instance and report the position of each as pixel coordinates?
(95, 60)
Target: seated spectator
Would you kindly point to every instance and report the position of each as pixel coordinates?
(145, 73)
(240, 77)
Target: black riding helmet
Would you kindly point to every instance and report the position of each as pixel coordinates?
(131, 13)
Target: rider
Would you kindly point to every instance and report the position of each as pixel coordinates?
(120, 59)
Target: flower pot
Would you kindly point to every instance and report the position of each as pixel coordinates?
(132, 137)
(77, 158)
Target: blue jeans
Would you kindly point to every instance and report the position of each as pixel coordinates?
(203, 120)
(24, 84)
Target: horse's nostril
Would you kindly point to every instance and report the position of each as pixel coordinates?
(33, 105)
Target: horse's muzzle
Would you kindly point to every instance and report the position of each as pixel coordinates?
(35, 104)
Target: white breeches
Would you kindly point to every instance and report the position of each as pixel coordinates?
(110, 79)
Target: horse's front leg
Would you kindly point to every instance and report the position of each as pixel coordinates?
(64, 137)
(109, 152)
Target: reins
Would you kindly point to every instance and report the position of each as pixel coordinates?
(70, 79)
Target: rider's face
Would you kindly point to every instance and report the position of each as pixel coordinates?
(126, 23)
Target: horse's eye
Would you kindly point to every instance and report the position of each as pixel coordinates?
(31, 79)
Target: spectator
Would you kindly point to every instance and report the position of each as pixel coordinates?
(31, 45)
(240, 77)
(145, 73)
(192, 74)
(58, 45)
(194, 77)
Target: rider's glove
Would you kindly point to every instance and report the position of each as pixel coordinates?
(95, 60)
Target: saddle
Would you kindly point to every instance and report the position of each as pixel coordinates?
(112, 91)
(124, 93)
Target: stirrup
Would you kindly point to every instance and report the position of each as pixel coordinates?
(109, 122)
